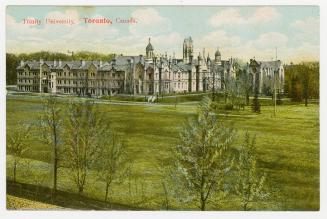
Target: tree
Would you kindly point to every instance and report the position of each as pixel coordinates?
(17, 145)
(112, 160)
(11, 65)
(83, 128)
(307, 79)
(245, 84)
(202, 155)
(234, 94)
(302, 81)
(250, 186)
(256, 103)
(169, 188)
(51, 122)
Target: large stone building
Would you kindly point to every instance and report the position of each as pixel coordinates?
(270, 76)
(150, 74)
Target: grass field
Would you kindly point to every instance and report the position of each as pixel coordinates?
(288, 148)
(14, 203)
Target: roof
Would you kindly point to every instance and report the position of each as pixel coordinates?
(122, 62)
(217, 53)
(270, 64)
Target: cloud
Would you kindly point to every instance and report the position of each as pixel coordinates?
(57, 37)
(310, 23)
(219, 38)
(135, 45)
(149, 22)
(302, 43)
(271, 39)
(306, 30)
(215, 39)
(94, 37)
(68, 14)
(233, 16)
(306, 51)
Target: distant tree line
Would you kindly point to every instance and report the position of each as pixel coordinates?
(302, 81)
(13, 60)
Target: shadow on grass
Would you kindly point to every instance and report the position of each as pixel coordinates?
(61, 198)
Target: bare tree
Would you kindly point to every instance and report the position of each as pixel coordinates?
(17, 145)
(250, 186)
(202, 161)
(166, 171)
(83, 129)
(51, 121)
(245, 84)
(112, 160)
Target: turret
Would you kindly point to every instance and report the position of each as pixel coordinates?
(149, 50)
(199, 59)
(218, 56)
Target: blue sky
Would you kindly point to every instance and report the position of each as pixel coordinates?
(243, 32)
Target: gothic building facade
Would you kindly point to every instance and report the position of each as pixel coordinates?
(270, 76)
(150, 74)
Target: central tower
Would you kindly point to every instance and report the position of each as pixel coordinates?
(187, 49)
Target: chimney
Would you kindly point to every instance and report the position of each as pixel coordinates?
(100, 63)
(82, 62)
(21, 63)
(169, 62)
(60, 63)
(54, 63)
(41, 62)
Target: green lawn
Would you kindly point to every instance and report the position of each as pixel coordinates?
(288, 148)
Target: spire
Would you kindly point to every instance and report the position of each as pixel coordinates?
(217, 52)
(149, 40)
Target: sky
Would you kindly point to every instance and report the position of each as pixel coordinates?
(238, 32)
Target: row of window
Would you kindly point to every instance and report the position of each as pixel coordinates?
(92, 74)
(76, 90)
(28, 81)
(28, 88)
(91, 83)
(27, 73)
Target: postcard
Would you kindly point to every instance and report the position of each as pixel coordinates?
(162, 107)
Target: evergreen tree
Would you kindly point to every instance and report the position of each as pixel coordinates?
(250, 186)
(203, 162)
